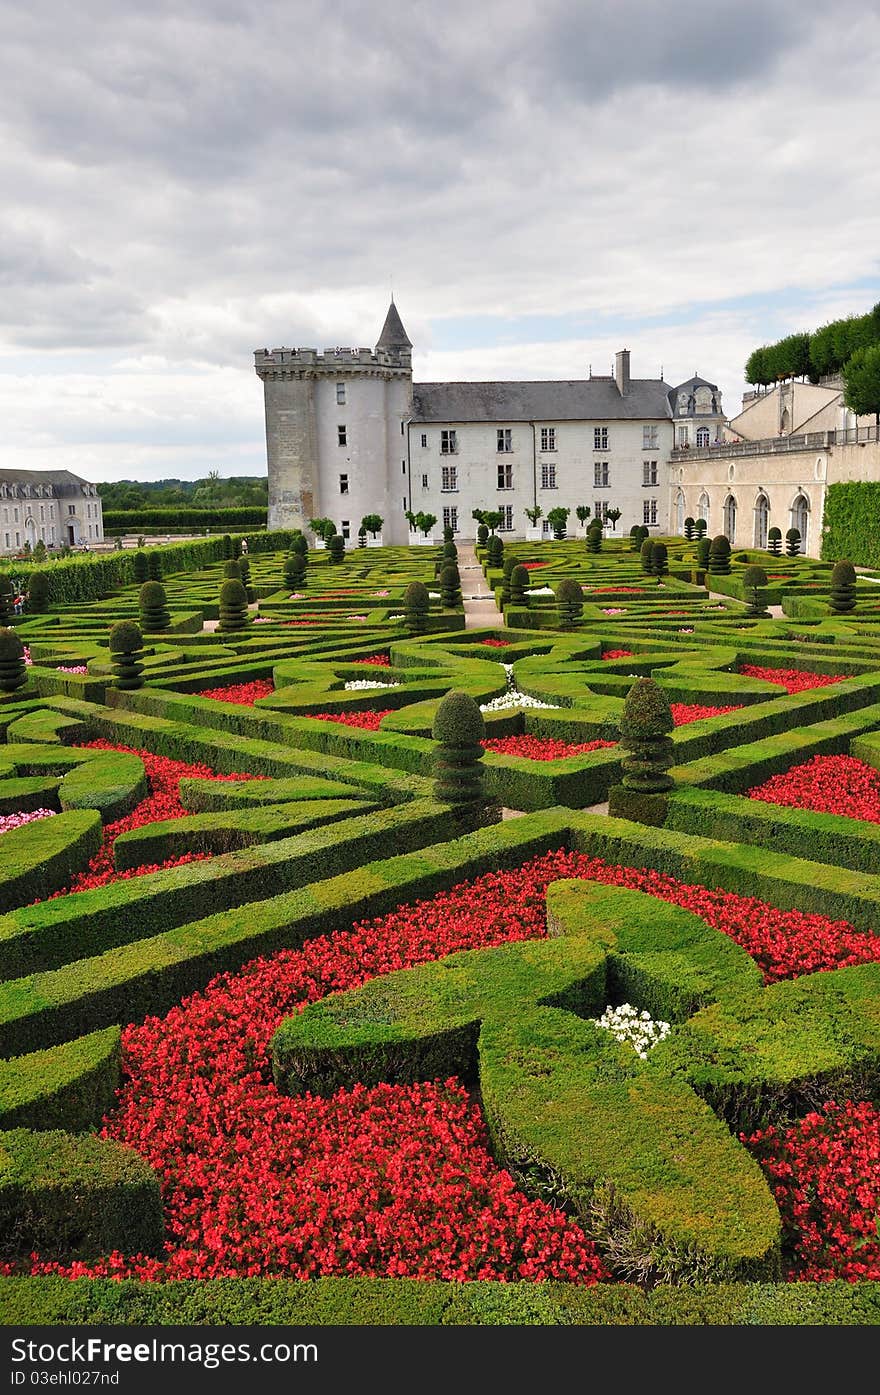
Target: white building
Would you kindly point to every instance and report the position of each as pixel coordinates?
(50, 506)
(348, 433)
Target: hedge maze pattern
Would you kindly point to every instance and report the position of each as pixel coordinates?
(267, 781)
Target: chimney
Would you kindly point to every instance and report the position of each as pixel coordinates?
(621, 371)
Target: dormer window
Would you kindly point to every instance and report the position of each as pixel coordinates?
(682, 402)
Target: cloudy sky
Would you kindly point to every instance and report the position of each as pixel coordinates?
(543, 182)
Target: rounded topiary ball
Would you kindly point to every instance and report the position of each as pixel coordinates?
(38, 593)
(231, 570)
(843, 587)
(299, 543)
(719, 556)
(13, 669)
(416, 603)
(126, 637)
(336, 548)
(450, 586)
(126, 651)
(153, 608)
(843, 574)
(569, 602)
(644, 732)
(659, 559)
(233, 606)
(646, 549)
(519, 585)
(458, 720)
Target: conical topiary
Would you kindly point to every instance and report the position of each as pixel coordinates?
(236, 547)
(792, 542)
(644, 732)
(753, 578)
(450, 587)
(38, 593)
(719, 556)
(482, 535)
(300, 543)
(154, 566)
(689, 529)
(506, 573)
(295, 571)
(519, 586)
(232, 570)
(450, 551)
(704, 547)
(637, 534)
(336, 548)
(774, 542)
(126, 652)
(594, 536)
(569, 603)
(645, 550)
(233, 606)
(495, 551)
(13, 669)
(659, 559)
(459, 730)
(153, 607)
(701, 528)
(244, 571)
(416, 603)
(139, 567)
(7, 601)
(228, 550)
(448, 534)
(843, 587)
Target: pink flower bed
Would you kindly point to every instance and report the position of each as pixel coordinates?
(10, 821)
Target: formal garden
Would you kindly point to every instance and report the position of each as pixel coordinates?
(359, 965)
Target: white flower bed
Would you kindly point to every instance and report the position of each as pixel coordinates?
(354, 684)
(638, 1028)
(541, 591)
(514, 698)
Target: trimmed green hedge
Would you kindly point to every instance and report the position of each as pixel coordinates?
(183, 520)
(69, 1087)
(43, 856)
(849, 522)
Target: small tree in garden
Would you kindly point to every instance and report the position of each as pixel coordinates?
(7, 601)
(126, 652)
(569, 603)
(644, 732)
(295, 571)
(459, 729)
(41, 555)
(701, 528)
(372, 524)
(533, 515)
(689, 528)
(492, 519)
(336, 548)
(519, 586)
(139, 567)
(659, 559)
(154, 566)
(704, 547)
(507, 571)
(558, 520)
(300, 543)
(449, 535)
(478, 515)
(753, 578)
(416, 603)
(233, 606)
(594, 536)
(793, 542)
(482, 535)
(425, 522)
(719, 556)
(612, 515)
(843, 587)
(153, 607)
(495, 551)
(13, 669)
(774, 542)
(646, 552)
(450, 587)
(450, 551)
(582, 513)
(231, 569)
(38, 593)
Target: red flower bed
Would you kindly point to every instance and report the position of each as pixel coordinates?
(244, 693)
(367, 721)
(162, 803)
(533, 566)
(618, 590)
(618, 654)
(824, 1172)
(385, 1181)
(496, 643)
(826, 785)
(376, 660)
(685, 712)
(541, 747)
(793, 680)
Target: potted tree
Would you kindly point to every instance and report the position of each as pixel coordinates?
(372, 526)
(424, 523)
(323, 529)
(612, 516)
(582, 513)
(558, 518)
(533, 533)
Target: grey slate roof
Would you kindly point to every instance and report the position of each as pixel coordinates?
(62, 481)
(393, 335)
(689, 387)
(571, 399)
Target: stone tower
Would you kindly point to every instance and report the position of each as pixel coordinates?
(335, 439)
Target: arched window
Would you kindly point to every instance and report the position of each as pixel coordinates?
(800, 518)
(762, 520)
(702, 436)
(703, 508)
(730, 519)
(786, 421)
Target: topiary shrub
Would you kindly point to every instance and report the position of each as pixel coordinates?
(843, 587)
(228, 550)
(774, 542)
(231, 570)
(569, 603)
(637, 534)
(233, 606)
(719, 556)
(449, 548)
(449, 535)
(236, 547)
(154, 566)
(704, 546)
(416, 603)
(753, 578)
(153, 607)
(7, 601)
(482, 535)
(659, 560)
(459, 729)
(13, 669)
(336, 548)
(519, 586)
(300, 543)
(450, 587)
(701, 528)
(644, 732)
(295, 571)
(646, 551)
(126, 652)
(244, 571)
(689, 528)
(594, 536)
(793, 542)
(38, 593)
(495, 551)
(507, 571)
(139, 567)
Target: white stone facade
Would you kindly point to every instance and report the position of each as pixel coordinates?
(50, 506)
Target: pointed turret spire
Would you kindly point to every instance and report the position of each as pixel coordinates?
(393, 335)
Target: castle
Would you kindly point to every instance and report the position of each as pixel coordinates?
(50, 506)
(349, 433)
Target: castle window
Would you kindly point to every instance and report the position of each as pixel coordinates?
(424, 439)
(403, 467)
(424, 481)
(505, 476)
(649, 473)
(341, 436)
(506, 524)
(340, 394)
(703, 436)
(600, 438)
(682, 436)
(600, 509)
(548, 476)
(601, 477)
(71, 508)
(450, 518)
(505, 439)
(649, 437)
(448, 443)
(346, 528)
(343, 484)
(548, 438)
(448, 478)
(649, 511)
